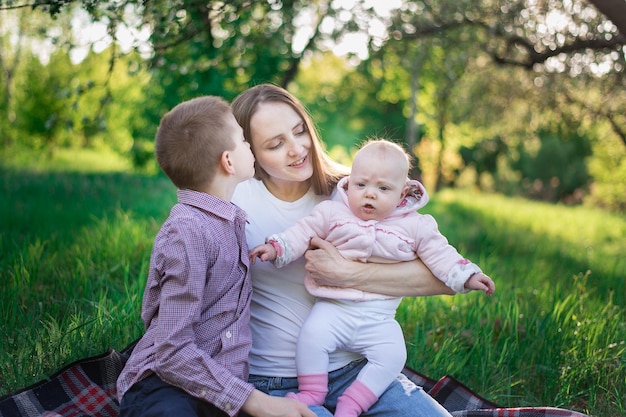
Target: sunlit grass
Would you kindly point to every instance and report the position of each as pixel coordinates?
(64, 160)
(76, 250)
(555, 331)
(566, 241)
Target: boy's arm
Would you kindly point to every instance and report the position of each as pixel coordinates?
(412, 278)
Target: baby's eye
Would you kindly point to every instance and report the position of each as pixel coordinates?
(383, 188)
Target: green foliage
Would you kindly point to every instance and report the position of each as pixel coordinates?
(483, 156)
(326, 102)
(429, 79)
(43, 102)
(75, 160)
(557, 169)
(379, 113)
(608, 169)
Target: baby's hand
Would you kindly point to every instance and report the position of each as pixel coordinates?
(481, 282)
(265, 252)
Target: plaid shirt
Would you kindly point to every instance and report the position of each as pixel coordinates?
(196, 304)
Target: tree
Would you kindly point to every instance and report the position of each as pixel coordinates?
(10, 57)
(43, 102)
(210, 45)
(18, 30)
(615, 10)
(557, 170)
(522, 33)
(569, 38)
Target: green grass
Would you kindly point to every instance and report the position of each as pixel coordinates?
(75, 248)
(554, 333)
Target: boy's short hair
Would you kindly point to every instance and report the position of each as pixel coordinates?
(190, 141)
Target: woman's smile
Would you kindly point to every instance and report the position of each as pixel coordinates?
(299, 162)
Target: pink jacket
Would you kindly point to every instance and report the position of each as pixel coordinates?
(403, 236)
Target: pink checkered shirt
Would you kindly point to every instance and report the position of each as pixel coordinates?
(196, 304)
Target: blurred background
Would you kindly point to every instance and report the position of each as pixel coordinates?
(514, 110)
(521, 97)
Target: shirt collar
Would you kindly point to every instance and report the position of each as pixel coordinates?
(210, 203)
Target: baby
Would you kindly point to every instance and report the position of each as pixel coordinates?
(372, 218)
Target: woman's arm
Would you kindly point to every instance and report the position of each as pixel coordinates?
(401, 279)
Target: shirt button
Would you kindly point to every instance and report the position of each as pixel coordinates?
(227, 406)
(228, 334)
(203, 393)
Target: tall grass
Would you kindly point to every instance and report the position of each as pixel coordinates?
(75, 249)
(554, 333)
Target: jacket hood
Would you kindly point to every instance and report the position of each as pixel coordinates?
(415, 198)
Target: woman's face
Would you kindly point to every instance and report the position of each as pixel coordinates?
(281, 143)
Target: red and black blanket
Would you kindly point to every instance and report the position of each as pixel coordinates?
(87, 388)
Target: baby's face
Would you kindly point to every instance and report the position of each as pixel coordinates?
(376, 186)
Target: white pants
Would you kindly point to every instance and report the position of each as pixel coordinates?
(368, 328)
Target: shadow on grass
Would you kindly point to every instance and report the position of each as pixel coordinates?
(54, 204)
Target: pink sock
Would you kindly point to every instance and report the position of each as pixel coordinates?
(312, 389)
(356, 399)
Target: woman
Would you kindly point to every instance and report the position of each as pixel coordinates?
(293, 174)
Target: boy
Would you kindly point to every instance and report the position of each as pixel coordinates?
(192, 359)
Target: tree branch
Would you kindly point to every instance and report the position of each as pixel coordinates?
(535, 57)
(617, 128)
(615, 10)
(295, 62)
(608, 115)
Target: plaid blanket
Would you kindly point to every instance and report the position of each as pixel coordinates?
(87, 388)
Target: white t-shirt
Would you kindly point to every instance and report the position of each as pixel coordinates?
(280, 303)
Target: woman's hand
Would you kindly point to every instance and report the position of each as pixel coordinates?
(412, 278)
(327, 267)
(260, 404)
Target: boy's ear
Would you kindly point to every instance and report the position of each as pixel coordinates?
(226, 163)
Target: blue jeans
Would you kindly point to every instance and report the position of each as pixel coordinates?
(402, 398)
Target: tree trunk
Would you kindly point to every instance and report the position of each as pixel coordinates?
(411, 131)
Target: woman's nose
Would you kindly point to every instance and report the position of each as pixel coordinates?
(295, 147)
